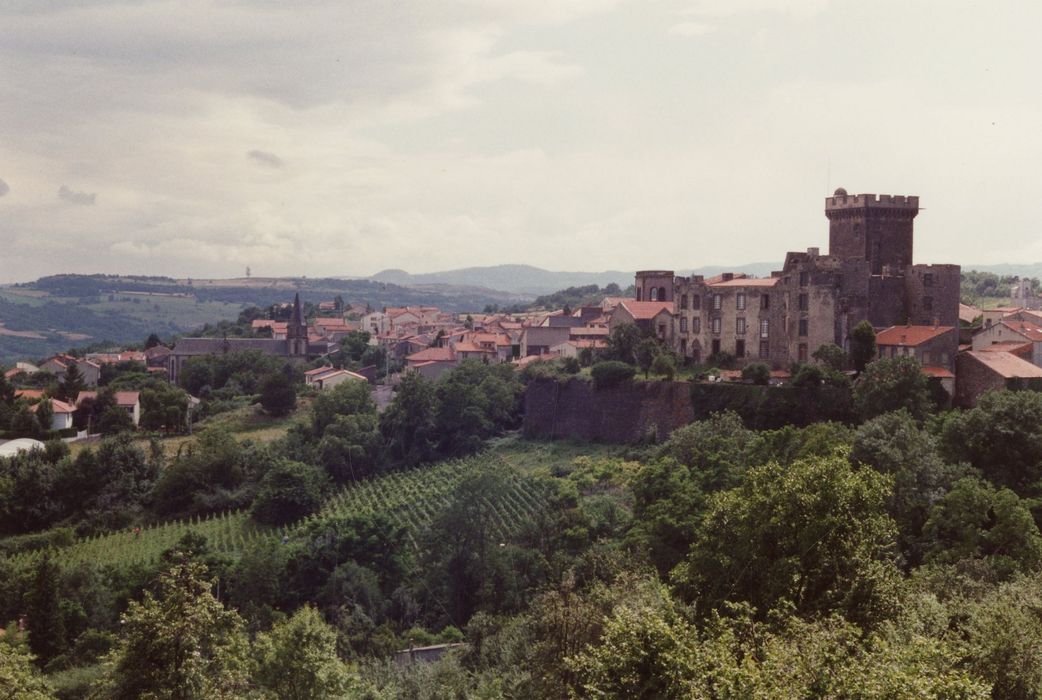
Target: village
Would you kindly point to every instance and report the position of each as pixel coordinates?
(720, 325)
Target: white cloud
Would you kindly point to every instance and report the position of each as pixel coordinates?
(691, 29)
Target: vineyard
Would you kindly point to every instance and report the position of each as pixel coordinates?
(410, 498)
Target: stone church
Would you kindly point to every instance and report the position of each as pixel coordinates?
(294, 348)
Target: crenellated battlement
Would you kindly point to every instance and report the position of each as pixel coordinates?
(841, 200)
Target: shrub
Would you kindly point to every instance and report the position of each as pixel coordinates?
(288, 492)
(610, 373)
(756, 373)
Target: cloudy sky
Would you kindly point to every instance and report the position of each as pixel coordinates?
(193, 138)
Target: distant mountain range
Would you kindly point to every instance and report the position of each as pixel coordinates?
(534, 281)
(527, 280)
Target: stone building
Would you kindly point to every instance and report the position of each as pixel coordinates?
(814, 299)
(295, 347)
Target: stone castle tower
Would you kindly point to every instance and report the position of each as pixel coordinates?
(297, 331)
(877, 229)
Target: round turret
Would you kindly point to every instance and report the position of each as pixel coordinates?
(840, 192)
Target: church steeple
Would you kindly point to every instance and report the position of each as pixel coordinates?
(297, 330)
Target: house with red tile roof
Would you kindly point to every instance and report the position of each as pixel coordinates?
(652, 317)
(978, 371)
(1011, 330)
(931, 346)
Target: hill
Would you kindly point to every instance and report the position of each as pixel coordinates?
(530, 280)
(54, 313)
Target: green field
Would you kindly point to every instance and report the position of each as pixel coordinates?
(410, 498)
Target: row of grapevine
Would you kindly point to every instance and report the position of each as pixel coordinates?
(410, 498)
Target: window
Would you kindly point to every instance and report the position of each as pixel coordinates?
(716, 346)
(716, 325)
(764, 328)
(739, 348)
(739, 301)
(683, 301)
(683, 324)
(928, 279)
(765, 301)
(765, 349)
(718, 301)
(803, 328)
(803, 303)
(739, 326)
(804, 278)
(653, 294)
(662, 330)
(801, 352)
(696, 325)
(696, 302)
(927, 303)
(683, 346)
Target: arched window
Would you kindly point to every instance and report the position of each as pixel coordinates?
(661, 293)
(654, 295)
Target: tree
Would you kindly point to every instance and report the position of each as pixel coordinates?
(298, 659)
(623, 341)
(46, 625)
(862, 345)
(179, 643)
(893, 384)
(647, 650)
(894, 444)
(164, 407)
(975, 521)
(278, 394)
(815, 533)
(407, 423)
(345, 399)
(72, 384)
(114, 420)
(1001, 436)
(288, 492)
(19, 678)
(44, 417)
(831, 357)
(351, 447)
(757, 373)
(645, 353)
(609, 373)
(354, 344)
(152, 341)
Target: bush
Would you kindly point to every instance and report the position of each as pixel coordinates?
(665, 365)
(288, 492)
(756, 373)
(610, 373)
(278, 395)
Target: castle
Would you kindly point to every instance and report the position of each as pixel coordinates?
(868, 274)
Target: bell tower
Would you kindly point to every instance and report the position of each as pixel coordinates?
(297, 331)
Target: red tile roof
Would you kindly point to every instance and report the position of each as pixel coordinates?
(910, 336)
(1028, 330)
(646, 310)
(1006, 364)
(28, 393)
(127, 398)
(940, 372)
(432, 355)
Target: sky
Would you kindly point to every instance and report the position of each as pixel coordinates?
(343, 137)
